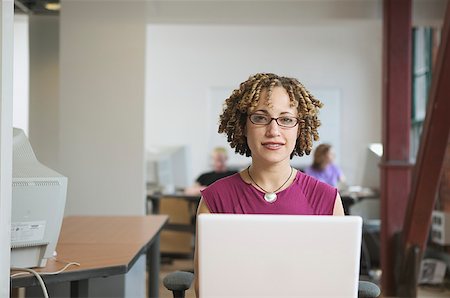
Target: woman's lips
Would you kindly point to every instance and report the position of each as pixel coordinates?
(272, 145)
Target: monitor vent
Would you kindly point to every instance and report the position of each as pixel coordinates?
(35, 183)
(46, 183)
(20, 183)
(28, 244)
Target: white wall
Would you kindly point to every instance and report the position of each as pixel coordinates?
(101, 107)
(186, 62)
(96, 126)
(21, 73)
(44, 88)
(428, 12)
(6, 111)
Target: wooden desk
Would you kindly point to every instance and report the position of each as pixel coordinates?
(104, 246)
(156, 199)
(193, 201)
(173, 226)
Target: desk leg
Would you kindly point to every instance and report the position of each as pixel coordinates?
(153, 263)
(155, 206)
(79, 288)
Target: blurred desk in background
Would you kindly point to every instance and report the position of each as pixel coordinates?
(354, 194)
(177, 239)
(156, 198)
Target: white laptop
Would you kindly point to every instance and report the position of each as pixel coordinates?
(278, 255)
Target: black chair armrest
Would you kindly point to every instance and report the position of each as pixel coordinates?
(367, 289)
(178, 282)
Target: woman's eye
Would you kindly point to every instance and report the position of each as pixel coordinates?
(259, 118)
(286, 120)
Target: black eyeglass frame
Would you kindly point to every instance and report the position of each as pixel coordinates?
(276, 120)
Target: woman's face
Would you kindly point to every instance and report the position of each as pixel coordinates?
(330, 156)
(219, 160)
(272, 143)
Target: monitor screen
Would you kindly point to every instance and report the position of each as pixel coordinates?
(37, 209)
(371, 173)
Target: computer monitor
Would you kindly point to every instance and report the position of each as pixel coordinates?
(38, 201)
(371, 173)
(168, 168)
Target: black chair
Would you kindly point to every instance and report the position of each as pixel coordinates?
(179, 281)
(370, 252)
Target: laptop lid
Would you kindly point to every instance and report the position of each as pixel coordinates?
(278, 255)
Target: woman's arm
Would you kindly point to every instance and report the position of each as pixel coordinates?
(338, 208)
(202, 208)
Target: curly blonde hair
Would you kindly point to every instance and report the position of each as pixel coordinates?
(244, 100)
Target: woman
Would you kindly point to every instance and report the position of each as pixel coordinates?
(270, 118)
(323, 167)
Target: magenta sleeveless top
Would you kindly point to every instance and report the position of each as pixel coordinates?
(305, 196)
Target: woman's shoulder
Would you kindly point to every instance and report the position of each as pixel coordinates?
(230, 179)
(225, 182)
(335, 168)
(307, 169)
(320, 195)
(311, 183)
(312, 171)
(218, 196)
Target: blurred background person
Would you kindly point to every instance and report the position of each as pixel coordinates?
(323, 167)
(220, 170)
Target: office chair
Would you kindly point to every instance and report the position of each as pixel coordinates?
(370, 250)
(179, 281)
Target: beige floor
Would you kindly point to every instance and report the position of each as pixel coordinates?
(429, 292)
(424, 292)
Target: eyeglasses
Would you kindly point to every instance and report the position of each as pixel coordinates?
(283, 121)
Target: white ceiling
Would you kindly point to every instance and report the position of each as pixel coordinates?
(282, 12)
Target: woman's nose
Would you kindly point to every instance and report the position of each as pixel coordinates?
(273, 129)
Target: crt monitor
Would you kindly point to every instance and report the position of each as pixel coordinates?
(371, 173)
(167, 168)
(38, 201)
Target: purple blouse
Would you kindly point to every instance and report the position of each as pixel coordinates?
(329, 175)
(305, 196)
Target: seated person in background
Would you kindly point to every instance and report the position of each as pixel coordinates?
(323, 167)
(219, 162)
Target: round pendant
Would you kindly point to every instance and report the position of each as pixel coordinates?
(270, 197)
